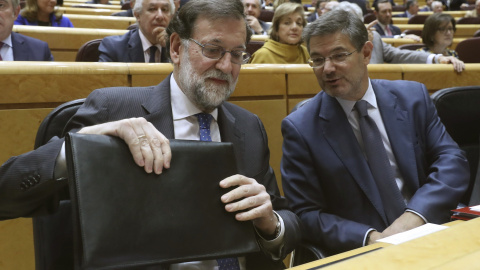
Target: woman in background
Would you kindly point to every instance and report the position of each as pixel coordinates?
(42, 13)
(285, 43)
(437, 34)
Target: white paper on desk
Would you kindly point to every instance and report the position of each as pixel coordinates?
(412, 234)
(475, 208)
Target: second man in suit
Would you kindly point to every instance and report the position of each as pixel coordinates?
(365, 159)
(146, 44)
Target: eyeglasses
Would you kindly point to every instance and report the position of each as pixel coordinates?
(444, 30)
(337, 58)
(211, 51)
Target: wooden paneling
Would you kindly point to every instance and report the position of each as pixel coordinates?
(100, 22)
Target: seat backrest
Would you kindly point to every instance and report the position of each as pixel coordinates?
(254, 45)
(477, 33)
(53, 234)
(469, 20)
(89, 52)
(399, 8)
(369, 17)
(266, 15)
(411, 47)
(468, 50)
(417, 19)
(417, 32)
(459, 110)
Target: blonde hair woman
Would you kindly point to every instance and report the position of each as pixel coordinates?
(285, 43)
(42, 13)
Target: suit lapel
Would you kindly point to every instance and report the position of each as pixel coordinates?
(135, 49)
(339, 134)
(159, 108)
(400, 134)
(19, 51)
(230, 132)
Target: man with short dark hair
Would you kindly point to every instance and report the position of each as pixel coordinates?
(412, 9)
(14, 46)
(206, 41)
(365, 159)
(146, 44)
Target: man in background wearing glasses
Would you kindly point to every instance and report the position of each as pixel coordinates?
(206, 43)
(365, 159)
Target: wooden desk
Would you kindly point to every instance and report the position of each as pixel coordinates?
(401, 41)
(463, 30)
(88, 11)
(100, 21)
(457, 247)
(64, 42)
(94, 6)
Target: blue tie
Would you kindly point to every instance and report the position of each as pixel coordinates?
(204, 120)
(379, 164)
(153, 51)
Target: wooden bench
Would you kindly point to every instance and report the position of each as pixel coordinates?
(64, 42)
(92, 6)
(113, 2)
(463, 30)
(88, 11)
(100, 21)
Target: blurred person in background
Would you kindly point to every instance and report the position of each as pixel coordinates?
(438, 33)
(285, 43)
(42, 13)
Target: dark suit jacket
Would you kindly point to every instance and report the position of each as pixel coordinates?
(126, 13)
(327, 180)
(312, 17)
(242, 128)
(395, 30)
(126, 48)
(29, 49)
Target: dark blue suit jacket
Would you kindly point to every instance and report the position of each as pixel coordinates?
(29, 49)
(126, 48)
(395, 30)
(327, 180)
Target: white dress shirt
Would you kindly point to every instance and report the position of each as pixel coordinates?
(146, 48)
(6, 50)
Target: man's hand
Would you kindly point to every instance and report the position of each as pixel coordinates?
(370, 29)
(161, 35)
(405, 222)
(150, 148)
(414, 37)
(458, 65)
(254, 24)
(252, 200)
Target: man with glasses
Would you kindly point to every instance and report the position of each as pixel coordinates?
(206, 43)
(365, 159)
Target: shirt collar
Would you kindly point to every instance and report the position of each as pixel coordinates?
(369, 96)
(8, 41)
(182, 107)
(145, 43)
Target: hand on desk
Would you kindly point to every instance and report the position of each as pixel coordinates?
(253, 201)
(150, 148)
(458, 65)
(405, 222)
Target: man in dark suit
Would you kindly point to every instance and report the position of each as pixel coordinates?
(253, 8)
(319, 6)
(206, 41)
(146, 44)
(365, 159)
(126, 13)
(412, 9)
(17, 47)
(383, 12)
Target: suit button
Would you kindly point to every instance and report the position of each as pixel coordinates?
(23, 186)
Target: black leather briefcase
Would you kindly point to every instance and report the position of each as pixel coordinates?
(124, 217)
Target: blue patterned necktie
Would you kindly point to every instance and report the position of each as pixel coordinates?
(379, 164)
(153, 51)
(204, 120)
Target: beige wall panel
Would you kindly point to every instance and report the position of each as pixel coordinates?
(261, 80)
(271, 112)
(16, 244)
(149, 74)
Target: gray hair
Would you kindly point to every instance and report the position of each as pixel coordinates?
(335, 21)
(351, 8)
(15, 4)
(139, 5)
